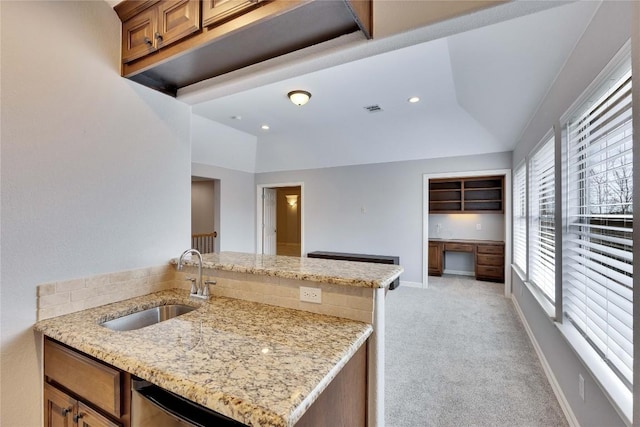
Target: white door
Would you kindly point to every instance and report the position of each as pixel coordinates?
(269, 221)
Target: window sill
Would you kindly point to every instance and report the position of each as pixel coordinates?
(618, 394)
(546, 305)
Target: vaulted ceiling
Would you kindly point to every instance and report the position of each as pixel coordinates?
(478, 90)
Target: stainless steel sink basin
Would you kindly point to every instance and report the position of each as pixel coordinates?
(147, 317)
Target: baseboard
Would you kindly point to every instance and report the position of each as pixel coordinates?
(460, 273)
(557, 390)
(411, 284)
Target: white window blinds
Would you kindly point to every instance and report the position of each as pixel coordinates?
(542, 217)
(597, 245)
(520, 217)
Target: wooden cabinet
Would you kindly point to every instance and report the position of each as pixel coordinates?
(490, 262)
(59, 408)
(216, 11)
(344, 401)
(81, 391)
(62, 410)
(158, 26)
(488, 257)
(467, 195)
(435, 259)
(171, 44)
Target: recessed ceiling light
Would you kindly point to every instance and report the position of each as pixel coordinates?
(236, 117)
(413, 99)
(264, 127)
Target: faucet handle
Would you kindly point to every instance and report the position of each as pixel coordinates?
(194, 288)
(205, 290)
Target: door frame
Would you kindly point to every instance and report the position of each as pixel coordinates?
(507, 219)
(259, 210)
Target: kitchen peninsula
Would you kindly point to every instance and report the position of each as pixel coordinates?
(244, 352)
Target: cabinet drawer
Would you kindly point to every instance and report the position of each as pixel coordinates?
(491, 249)
(489, 271)
(458, 247)
(91, 380)
(495, 260)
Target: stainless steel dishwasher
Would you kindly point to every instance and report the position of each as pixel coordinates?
(153, 406)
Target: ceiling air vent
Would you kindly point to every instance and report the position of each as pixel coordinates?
(373, 108)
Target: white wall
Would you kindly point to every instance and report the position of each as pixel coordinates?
(464, 226)
(219, 145)
(389, 193)
(95, 172)
(606, 34)
(237, 206)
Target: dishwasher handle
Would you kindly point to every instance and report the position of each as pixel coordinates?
(181, 408)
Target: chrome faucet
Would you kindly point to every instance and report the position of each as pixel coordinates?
(198, 288)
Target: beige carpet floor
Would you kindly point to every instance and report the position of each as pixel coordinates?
(457, 355)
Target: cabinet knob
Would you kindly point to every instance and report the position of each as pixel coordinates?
(158, 36)
(148, 41)
(65, 411)
(77, 417)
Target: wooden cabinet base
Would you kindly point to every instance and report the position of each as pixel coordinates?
(344, 401)
(488, 257)
(435, 259)
(80, 391)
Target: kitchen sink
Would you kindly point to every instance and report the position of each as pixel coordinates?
(147, 317)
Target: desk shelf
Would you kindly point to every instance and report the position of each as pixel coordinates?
(488, 257)
(467, 195)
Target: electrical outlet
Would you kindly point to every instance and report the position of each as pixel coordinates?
(478, 226)
(313, 295)
(581, 386)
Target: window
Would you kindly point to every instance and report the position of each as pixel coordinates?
(597, 242)
(542, 217)
(520, 217)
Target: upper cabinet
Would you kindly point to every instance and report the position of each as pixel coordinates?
(170, 44)
(467, 195)
(214, 11)
(159, 26)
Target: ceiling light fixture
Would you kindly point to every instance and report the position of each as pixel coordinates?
(292, 199)
(413, 99)
(299, 97)
(264, 127)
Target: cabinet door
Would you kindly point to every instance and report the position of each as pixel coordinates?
(218, 10)
(59, 408)
(138, 35)
(87, 417)
(435, 259)
(176, 20)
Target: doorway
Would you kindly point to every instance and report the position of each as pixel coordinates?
(439, 232)
(205, 214)
(280, 219)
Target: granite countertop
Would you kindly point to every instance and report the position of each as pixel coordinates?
(258, 364)
(347, 273)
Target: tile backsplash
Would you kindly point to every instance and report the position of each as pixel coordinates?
(350, 302)
(58, 298)
(64, 297)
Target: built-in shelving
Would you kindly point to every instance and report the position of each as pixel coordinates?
(467, 195)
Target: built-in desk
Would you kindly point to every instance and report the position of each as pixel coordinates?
(488, 257)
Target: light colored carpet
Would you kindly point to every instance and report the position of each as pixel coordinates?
(458, 355)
